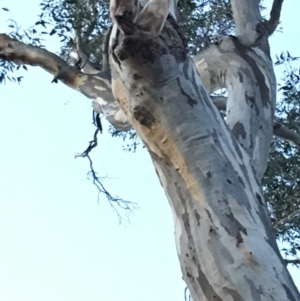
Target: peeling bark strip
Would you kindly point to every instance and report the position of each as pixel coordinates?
(223, 232)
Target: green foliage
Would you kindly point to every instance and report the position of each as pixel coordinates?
(32, 35)
(87, 19)
(205, 22)
(130, 135)
(282, 178)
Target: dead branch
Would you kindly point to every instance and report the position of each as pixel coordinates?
(115, 202)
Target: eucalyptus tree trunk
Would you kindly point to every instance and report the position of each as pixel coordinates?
(210, 170)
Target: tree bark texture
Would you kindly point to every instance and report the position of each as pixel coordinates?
(210, 168)
(211, 175)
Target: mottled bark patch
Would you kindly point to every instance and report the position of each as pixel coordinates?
(198, 217)
(241, 79)
(256, 293)
(239, 238)
(289, 293)
(144, 48)
(210, 218)
(237, 147)
(239, 130)
(259, 198)
(191, 101)
(207, 288)
(137, 76)
(143, 116)
(243, 52)
(233, 293)
(250, 100)
(242, 182)
(140, 45)
(228, 221)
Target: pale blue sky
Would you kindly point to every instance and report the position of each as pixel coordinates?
(56, 242)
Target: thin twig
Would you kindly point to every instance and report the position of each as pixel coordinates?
(115, 202)
(187, 295)
(287, 218)
(92, 144)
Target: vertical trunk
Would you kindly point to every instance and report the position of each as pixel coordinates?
(226, 248)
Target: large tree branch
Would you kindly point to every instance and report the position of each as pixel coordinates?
(273, 22)
(248, 76)
(246, 15)
(285, 133)
(80, 57)
(286, 218)
(20, 53)
(279, 130)
(249, 26)
(94, 86)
